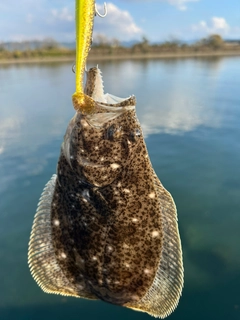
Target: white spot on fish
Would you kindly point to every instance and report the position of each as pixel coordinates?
(134, 220)
(96, 148)
(155, 233)
(152, 195)
(119, 184)
(102, 159)
(94, 258)
(80, 287)
(126, 190)
(63, 255)
(127, 265)
(114, 165)
(109, 248)
(147, 271)
(56, 222)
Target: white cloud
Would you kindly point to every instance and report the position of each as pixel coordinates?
(220, 24)
(217, 25)
(62, 14)
(55, 19)
(117, 24)
(180, 4)
(48, 19)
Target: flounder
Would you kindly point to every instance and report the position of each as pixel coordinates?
(105, 227)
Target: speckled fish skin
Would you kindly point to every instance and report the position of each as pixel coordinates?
(105, 227)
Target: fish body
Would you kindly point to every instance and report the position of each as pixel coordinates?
(105, 226)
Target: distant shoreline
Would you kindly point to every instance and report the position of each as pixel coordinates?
(134, 56)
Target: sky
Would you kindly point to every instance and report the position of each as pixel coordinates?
(157, 20)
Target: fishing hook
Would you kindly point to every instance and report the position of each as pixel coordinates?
(97, 13)
(74, 68)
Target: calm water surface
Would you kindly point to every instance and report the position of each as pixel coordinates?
(190, 114)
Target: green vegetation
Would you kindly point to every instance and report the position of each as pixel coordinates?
(45, 51)
(103, 47)
(213, 43)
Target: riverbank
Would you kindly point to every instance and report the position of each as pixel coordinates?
(133, 56)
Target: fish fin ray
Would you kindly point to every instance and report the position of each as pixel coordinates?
(162, 297)
(41, 256)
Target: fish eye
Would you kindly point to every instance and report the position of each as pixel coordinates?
(113, 132)
(135, 134)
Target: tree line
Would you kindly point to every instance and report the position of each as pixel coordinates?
(102, 46)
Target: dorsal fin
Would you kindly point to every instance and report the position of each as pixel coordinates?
(162, 297)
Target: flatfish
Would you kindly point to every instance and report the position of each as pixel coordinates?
(105, 227)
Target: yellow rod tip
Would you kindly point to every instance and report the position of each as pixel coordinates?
(83, 103)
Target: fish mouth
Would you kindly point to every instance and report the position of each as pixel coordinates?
(107, 106)
(105, 112)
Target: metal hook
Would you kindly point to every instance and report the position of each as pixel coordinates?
(74, 68)
(99, 14)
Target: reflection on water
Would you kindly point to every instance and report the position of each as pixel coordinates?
(166, 102)
(189, 111)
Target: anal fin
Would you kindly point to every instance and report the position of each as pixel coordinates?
(41, 256)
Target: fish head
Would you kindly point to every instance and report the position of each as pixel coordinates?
(98, 145)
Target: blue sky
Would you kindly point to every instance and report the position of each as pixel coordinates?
(158, 20)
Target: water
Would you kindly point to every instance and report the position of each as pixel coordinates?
(190, 113)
